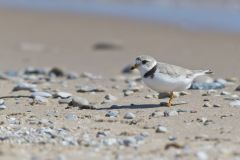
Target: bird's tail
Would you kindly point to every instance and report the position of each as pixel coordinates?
(209, 71)
(201, 73)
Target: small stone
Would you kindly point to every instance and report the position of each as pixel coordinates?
(232, 79)
(41, 94)
(71, 117)
(91, 88)
(193, 111)
(235, 104)
(58, 72)
(148, 96)
(109, 141)
(40, 100)
(238, 88)
(1, 101)
(157, 114)
(129, 141)
(102, 134)
(65, 100)
(207, 86)
(184, 93)
(129, 115)
(79, 102)
(225, 93)
(128, 92)
(172, 138)
(2, 106)
(72, 76)
(62, 95)
(133, 86)
(161, 129)
(216, 105)
(90, 76)
(107, 46)
(25, 87)
(202, 155)
(203, 119)
(169, 113)
(163, 95)
(232, 97)
(110, 97)
(112, 114)
(207, 104)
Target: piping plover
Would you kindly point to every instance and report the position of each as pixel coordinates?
(163, 77)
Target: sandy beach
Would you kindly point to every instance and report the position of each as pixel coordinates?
(206, 127)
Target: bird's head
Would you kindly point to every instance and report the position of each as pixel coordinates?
(144, 63)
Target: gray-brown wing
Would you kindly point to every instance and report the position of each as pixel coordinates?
(173, 70)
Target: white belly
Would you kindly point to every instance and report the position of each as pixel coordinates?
(165, 83)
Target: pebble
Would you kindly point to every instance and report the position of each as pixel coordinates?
(184, 93)
(235, 104)
(130, 141)
(161, 129)
(133, 86)
(2, 106)
(90, 88)
(149, 96)
(90, 76)
(129, 115)
(225, 93)
(72, 76)
(201, 155)
(35, 71)
(41, 94)
(1, 101)
(169, 113)
(232, 79)
(232, 97)
(157, 114)
(172, 138)
(58, 72)
(207, 86)
(127, 92)
(107, 46)
(71, 117)
(163, 95)
(110, 141)
(40, 100)
(25, 87)
(62, 95)
(207, 105)
(238, 88)
(110, 97)
(65, 100)
(111, 114)
(102, 134)
(79, 102)
(216, 105)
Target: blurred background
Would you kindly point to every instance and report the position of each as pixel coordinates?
(103, 36)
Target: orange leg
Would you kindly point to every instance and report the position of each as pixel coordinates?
(170, 99)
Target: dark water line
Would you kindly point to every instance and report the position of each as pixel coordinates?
(190, 17)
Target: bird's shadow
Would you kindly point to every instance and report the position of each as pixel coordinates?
(136, 106)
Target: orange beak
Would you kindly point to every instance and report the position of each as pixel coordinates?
(134, 66)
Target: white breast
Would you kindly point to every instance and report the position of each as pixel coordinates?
(165, 83)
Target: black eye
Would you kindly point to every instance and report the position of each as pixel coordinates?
(144, 61)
